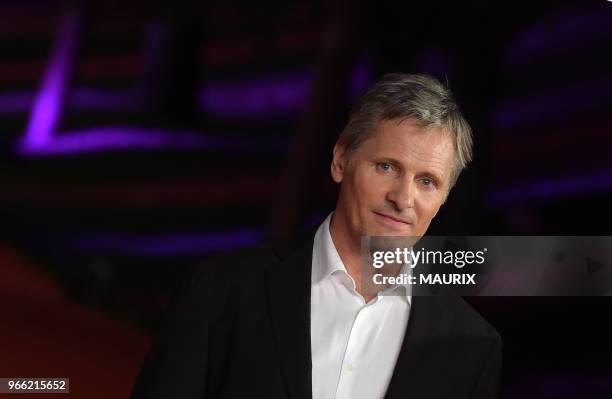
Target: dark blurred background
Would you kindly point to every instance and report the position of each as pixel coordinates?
(138, 138)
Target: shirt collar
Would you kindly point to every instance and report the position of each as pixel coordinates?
(406, 288)
(326, 260)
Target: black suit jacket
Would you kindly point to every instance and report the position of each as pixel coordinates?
(239, 327)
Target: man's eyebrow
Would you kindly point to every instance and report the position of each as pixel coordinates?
(392, 161)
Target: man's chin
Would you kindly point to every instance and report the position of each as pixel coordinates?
(387, 232)
(389, 241)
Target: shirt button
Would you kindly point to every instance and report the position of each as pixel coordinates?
(349, 367)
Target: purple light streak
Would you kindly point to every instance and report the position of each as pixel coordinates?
(272, 96)
(123, 138)
(82, 98)
(49, 102)
(88, 98)
(15, 102)
(553, 104)
(563, 186)
(573, 28)
(260, 98)
(167, 244)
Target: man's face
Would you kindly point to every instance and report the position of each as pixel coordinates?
(394, 183)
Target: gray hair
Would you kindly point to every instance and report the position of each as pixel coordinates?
(403, 96)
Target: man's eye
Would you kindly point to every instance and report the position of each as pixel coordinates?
(427, 181)
(385, 167)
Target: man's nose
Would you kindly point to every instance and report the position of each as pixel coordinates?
(402, 194)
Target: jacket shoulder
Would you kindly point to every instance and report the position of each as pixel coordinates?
(250, 263)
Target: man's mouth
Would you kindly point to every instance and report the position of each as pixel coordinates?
(392, 220)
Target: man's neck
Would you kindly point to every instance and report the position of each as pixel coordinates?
(349, 249)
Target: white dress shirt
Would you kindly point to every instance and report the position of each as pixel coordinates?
(354, 345)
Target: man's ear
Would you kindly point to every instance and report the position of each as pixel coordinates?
(339, 161)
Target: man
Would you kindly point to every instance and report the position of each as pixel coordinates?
(291, 320)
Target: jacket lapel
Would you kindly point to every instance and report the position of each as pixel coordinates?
(413, 371)
(289, 282)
